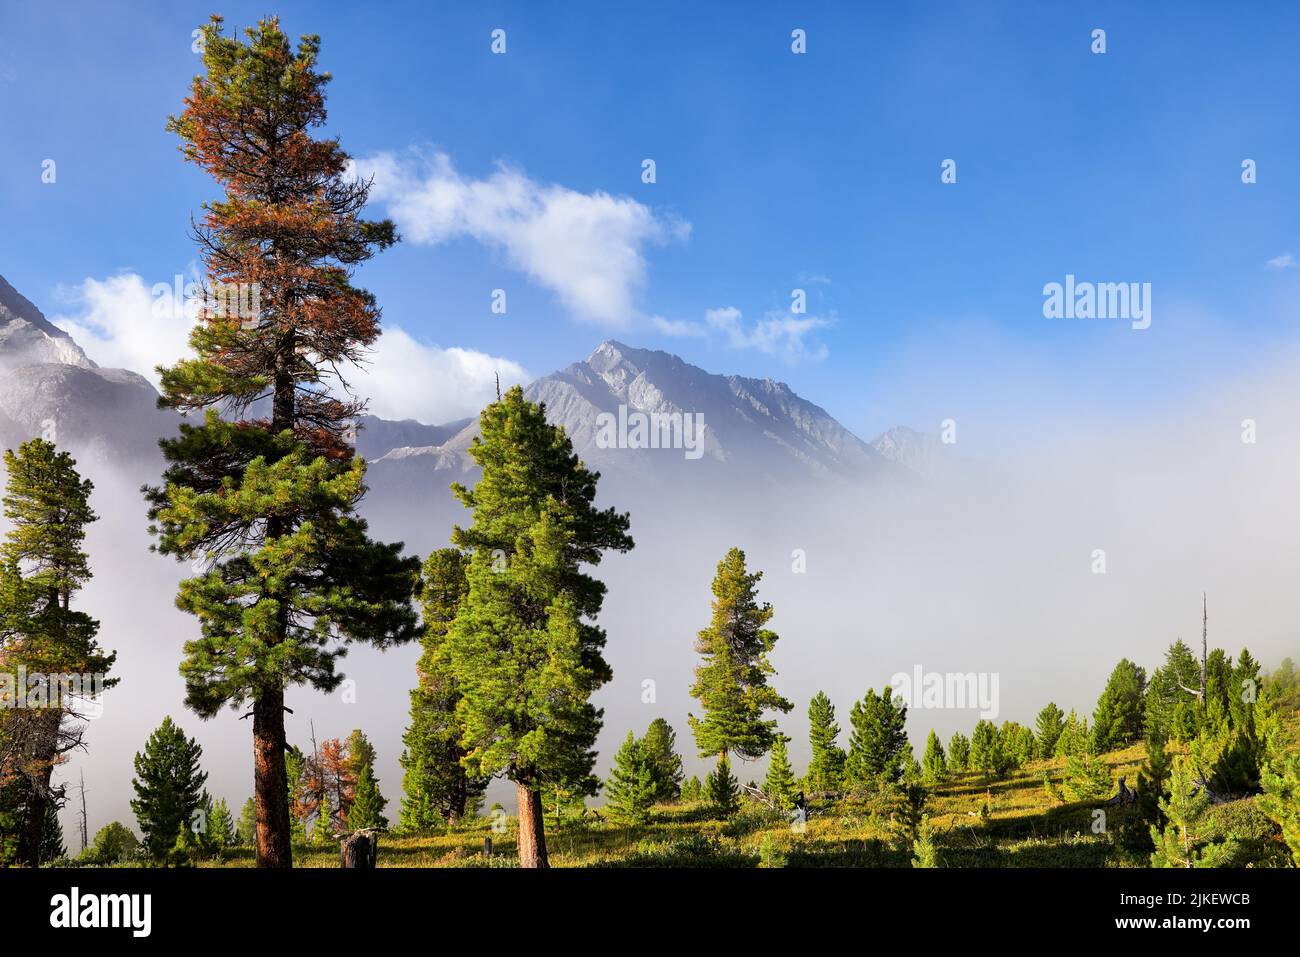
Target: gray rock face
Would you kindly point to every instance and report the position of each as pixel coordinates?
(909, 448)
(105, 414)
(50, 388)
(376, 436)
(758, 426)
(26, 336)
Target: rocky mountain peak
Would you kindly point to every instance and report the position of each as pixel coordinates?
(26, 336)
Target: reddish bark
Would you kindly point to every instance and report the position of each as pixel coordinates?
(532, 832)
(271, 781)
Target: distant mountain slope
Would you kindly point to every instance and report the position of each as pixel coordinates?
(49, 387)
(757, 426)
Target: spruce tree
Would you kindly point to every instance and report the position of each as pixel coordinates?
(659, 745)
(934, 763)
(732, 681)
(780, 786)
(1281, 799)
(42, 567)
(630, 788)
(959, 753)
(693, 789)
(112, 844)
(1017, 744)
(826, 766)
(295, 765)
(523, 648)
(52, 836)
(367, 808)
(1087, 776)
(1188, 839)
(168, 787)
(924, 852)
(986, 753)
(1119, 718)
(1172, 711)
(878, 740)
(220, 831)
(721, 789)
(1048, 728)
(436, 787)
(246, 829)
(1153, 778)
(270, 503)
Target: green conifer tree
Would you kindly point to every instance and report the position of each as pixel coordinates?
(1172, 711)
(1281, 799)
(52, 836)
(732, 682)
(659, 745)
(367, 809)
(877, 741)
(522, 648)
(246, 830)
(630, 789)
(168, 787)
(42, 567)
(437, 789)
(220, 832)
(1119, 718)
(986, 751)
(1188, 839)
(721, 789)
(270, 503)
(693, 789)
(934, 763)
(924, 852)
(826, 766)
(959, 753)
(780, 786)
(1050, 724)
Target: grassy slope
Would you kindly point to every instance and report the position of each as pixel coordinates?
(1027, 828)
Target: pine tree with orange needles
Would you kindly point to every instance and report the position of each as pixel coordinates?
(264, 490)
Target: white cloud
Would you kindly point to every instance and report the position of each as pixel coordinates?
(124, 322)
(679, 328)
(1285, 261)
(777, 334)
(587, 248)
(121, 323)
(405, 378)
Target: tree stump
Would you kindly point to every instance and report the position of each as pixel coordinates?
(359, 849)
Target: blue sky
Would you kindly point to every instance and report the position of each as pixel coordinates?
(818, 171)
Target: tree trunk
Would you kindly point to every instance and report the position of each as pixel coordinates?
(43, 751)
(271, 782)
(532, 829)
(456, 804)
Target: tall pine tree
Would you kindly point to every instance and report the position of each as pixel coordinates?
(270, 502)
(523, 648)
(42, 567)
(436, 786)
(732, 682)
